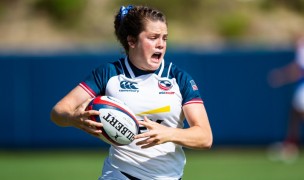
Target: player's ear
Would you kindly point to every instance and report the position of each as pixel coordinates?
(131, 41)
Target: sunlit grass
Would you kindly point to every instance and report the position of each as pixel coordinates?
(215, 164)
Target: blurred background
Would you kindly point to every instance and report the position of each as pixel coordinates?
(36, 25)
(229, 47)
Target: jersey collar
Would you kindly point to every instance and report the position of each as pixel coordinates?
(135, 72)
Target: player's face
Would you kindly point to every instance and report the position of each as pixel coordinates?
(148, 51)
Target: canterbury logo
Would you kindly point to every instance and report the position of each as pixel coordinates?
(128, 85)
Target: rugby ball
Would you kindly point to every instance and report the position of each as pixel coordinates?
(119, 122)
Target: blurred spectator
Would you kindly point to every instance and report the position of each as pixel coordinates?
(293, 72)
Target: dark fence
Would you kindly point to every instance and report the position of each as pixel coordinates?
(242, 108)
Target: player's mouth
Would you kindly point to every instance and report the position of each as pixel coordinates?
(156, 56)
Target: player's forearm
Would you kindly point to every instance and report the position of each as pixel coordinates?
(194, 137)
(60, 117)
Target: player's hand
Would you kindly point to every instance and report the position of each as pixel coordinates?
(157, 134)
(81, 119)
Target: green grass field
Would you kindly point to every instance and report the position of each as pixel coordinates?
(214, 164)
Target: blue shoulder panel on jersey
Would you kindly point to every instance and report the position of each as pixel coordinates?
(187, 86)
(95, 83)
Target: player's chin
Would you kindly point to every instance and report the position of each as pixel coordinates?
(154, 64)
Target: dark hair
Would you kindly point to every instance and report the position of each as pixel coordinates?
(131, 21)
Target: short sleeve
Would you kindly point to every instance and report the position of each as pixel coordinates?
(187, 85)
(95, 83)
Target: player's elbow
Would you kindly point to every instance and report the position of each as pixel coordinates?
(206, 142)
(55, 117)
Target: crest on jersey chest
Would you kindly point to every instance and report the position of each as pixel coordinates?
(165, 86)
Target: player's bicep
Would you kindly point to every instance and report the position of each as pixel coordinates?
(75, 98)
(196, 115)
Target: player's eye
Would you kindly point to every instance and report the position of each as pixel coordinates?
(152, 37)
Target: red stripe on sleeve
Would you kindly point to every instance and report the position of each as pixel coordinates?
(87, 89)
(196, 100)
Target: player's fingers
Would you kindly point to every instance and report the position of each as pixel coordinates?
(146, 122)
(88, 122)
(92, 124)
(147, 141)
(143, 123)
(147, 119)
(87, 102)
(143, 135)
(91, 130)
(91, 113)
(97, 124)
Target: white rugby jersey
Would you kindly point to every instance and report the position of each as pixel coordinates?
(158, 95)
